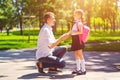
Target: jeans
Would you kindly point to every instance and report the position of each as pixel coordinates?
(55, 60)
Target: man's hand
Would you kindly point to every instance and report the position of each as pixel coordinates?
(65, 36)
(61, 38)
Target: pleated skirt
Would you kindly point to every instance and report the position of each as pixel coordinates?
(76, 43)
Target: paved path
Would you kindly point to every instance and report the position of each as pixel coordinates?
(20, 65)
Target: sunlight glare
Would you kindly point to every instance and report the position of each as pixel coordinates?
(75, 5)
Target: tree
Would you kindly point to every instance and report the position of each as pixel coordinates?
(19, 13)
(108, 12)
(7, 11)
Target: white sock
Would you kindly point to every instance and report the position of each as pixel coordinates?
(78, 61)
(83, 65)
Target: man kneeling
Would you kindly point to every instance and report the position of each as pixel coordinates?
(48, 54)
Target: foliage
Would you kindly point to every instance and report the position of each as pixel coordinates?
(7, 13)
(99, 13)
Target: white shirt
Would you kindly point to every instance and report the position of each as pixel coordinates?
(74, 28)
(45, 39)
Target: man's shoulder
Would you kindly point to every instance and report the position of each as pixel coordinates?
(44, 27)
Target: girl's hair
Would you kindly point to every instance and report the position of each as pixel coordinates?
(81, 13)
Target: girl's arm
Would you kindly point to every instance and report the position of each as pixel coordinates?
(80, 30)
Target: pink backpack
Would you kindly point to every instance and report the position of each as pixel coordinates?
(86, 31)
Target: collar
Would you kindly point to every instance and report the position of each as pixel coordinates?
(78, 21)
(49, 27)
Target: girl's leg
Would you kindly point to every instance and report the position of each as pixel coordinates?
(78, 61)
(80, 54)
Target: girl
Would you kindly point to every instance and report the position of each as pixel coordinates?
(77, 43)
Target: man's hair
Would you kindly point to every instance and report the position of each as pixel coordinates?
(48, 15)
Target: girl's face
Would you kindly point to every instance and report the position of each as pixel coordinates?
(77, 16)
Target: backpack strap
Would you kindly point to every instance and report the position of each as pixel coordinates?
(80, 35)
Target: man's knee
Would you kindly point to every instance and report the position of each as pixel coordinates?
(62, 64)
(64, 49)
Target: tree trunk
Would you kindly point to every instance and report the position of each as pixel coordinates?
(88, 18)
(21, 29)
(104, 25)
(62, 28)
(7, 32)
(94, 25)
(114, 26)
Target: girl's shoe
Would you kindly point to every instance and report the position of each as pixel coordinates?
(81, 73)
(75, 72)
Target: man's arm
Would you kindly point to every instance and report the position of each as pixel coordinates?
(61, 38)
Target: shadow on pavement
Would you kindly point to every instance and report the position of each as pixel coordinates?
(47, 75)
(96, 61)
(1, 76)
(25, 55)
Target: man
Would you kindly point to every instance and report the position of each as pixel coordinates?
(48, 54)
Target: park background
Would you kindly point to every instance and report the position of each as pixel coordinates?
(21, 21)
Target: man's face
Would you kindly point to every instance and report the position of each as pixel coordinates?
(52, 20)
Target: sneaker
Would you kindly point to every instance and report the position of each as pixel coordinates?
(81, 73)
(40, 70)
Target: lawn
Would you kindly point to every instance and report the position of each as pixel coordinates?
(16, 41)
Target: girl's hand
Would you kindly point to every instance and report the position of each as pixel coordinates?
(70, 32)
(65, 36)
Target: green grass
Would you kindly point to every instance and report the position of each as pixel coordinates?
(16, 41)
(104, 47)
(101, 36)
